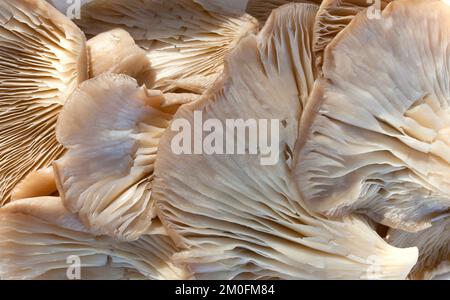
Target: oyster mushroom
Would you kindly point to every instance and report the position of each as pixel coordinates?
(115, 51)
(185, 44)
(235, 218)
(40, 239)
(38, 183)
(43, 58)
(376, 139)
(111, 129)
(335, 15)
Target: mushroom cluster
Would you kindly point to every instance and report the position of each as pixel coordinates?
(91, 106)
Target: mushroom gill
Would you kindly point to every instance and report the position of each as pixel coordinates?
(236, 218)
(40, 239)
(42, 60)
(379, 145)
(185, 43)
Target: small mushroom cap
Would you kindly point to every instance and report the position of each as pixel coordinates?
(40, 239)
(111, 129)
(38, 183)
(376, 139)
(115, 51)
(235, 218)
(42, 59)
(181, 38)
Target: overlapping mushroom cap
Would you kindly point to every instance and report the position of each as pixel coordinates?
(238, 219)
(115, 51)
(38, 183)
(376, 139)
(335, 15)
(111, 129)
(185, 43)
(40, 239)
(42, 59)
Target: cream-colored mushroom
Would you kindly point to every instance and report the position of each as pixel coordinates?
(335, 15)
(115, 51)
(38, 183)
(235, 218)
(185, 43)
(111, 129)
(42, 59)
(376, 136)
(40, 239)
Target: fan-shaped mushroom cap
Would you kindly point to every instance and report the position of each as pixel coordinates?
(376, 140)
(115, 51)
(40, 239)
(238, 219)
(434, 248)
(38, 183)
(42, 59)
(111, 129)
(335, 15)
(183, 41)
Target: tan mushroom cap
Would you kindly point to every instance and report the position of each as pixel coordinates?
(183, 41)
(115, 51)
(40, 239)
(38, 183)
(111, 129)
(335, 15)
(376, 139)
(434, 248)
(238, 219)
(42, 59)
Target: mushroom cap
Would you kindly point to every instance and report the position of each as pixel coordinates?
(39, 237)
(376, 136)
(42, 59)
(434, 248)
(183, 40)
(115, 51)
(335, 15)
(237, 219)
(111, 129)
(38, 183)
